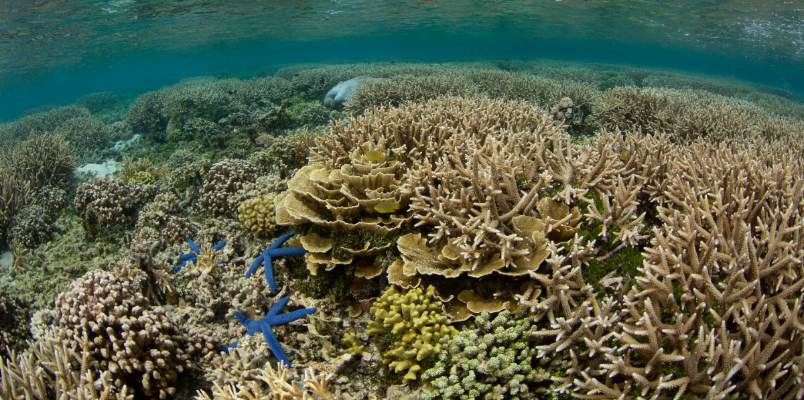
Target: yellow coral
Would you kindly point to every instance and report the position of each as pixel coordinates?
(416, 317)
(258, 214)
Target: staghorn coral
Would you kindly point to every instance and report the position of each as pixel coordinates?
(415, 320)
(41, 160)
(86, 135)
(46, 121)
(102, 315)
(15, 194)
(51, 369)
(141, 171)
(495, 84)
(687, 115)
(99, 101)
(223, 180)
(283, 154)
(208, 98)
(721, 284)
(280, 387)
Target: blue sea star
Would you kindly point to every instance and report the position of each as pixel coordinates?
(196, 251)
(271, 252)
(265, 324)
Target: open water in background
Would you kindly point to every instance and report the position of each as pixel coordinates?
(52, 52)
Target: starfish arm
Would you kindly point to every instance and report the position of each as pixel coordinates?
(193, 246)
(287, 251)
(290, 317)
(277, 307)
(254, 265)
(279, 242)
(177, 269)
(269, 271)
(251, 325)
(219, 245)
(274, 345)
(229, 347)
(187, 257)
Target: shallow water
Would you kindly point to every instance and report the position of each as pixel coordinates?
(55, 51)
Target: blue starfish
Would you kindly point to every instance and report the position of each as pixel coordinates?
(270, 320)
(271, 252)
(196, 251)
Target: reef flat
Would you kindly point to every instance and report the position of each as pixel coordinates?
(484, 230)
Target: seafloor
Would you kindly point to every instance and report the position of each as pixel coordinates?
(483, 230)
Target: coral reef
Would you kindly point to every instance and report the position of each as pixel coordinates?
(342, 92)
(46, 121)
(30, 227)
(100, 101)
(87, 136)
(14, 324)
(688, 114)
(52, 369)
(208, 98)
(41, 160)
(657, 255)
(14, 195)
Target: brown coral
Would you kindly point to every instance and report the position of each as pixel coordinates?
(123, 333)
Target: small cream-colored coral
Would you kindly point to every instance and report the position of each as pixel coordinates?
(258, 214)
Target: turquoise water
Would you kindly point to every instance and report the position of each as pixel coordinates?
(52, 52)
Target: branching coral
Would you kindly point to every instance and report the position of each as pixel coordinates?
(107, 201)
(103, 316)
(222, 181)
(415, 317)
